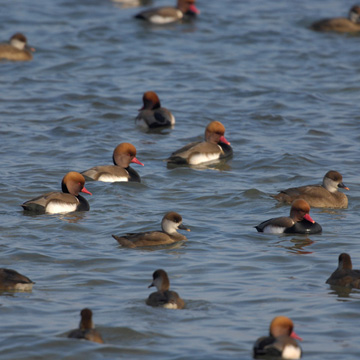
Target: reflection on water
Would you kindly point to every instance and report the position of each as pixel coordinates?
(298, 245)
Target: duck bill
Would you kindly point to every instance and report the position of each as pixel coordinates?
(194, 9)
(294, 335)
(342, 185)
(136, 161)
(308, 218)
(183, 227)
(151, 285)
(84, 190)
(30, 48)
(222, 139)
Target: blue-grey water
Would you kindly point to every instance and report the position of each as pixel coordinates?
(289, 99)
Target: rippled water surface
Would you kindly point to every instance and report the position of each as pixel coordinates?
(289, 99)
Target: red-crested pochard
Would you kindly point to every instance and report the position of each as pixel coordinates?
(325, 195)
(17, 49)
(281, 343)
(170, 223)
(299, 221)
(86, 328)
(344, 275)
(123, 155)
(152, 115)
(164, 297)
(214, 148)
(12, 280)
(341, 24)
(167, 14)
(61, 202)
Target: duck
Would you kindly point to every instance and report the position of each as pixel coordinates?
(86, 328)
(152, 115)
(167, 14)
(66, 201)
(123, 155)
(299, 221)
(340, 24)
(164, 297)
(281, 342)
(17, 49)
(214, 148)
(12, 280)
(344, 275)
(325, 195)
(171, 222)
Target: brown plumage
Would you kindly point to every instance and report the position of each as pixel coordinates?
(325, 195)
(17, 49)
(86, 328)
(12, 280)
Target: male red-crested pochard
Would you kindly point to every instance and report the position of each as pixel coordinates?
(86, 328)
(61, 202)
(341, 24)
(344, 275)
(325, 195)
(167, 14)
(123, 155)
(152, 115)
(281, 343)
(170, 223)
(214, 148)
(164, 297)
(12, 280)
(17, 49)
(299, 221)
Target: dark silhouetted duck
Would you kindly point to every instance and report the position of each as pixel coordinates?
(342, 25)
(12, 280)
(280, 343)
(163, 297)
(344, 275)
(61, 202)
(325, 195)
(170, 223)
(17, 49)
(167, 14)
(123, 155)
(298, 222)
(214, 148)
(86, 328)
(152, 115)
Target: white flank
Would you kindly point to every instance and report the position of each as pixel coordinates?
(291, 352)
(170, 306)
(23, 287)
(57, 208)
(111, 178)
(158, 19)
(203, 158)
(270, 229)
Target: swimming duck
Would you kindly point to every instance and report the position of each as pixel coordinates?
(12, 280)
(170, 223)
(214, 148)
(168, 14)
(299, 221)
(152, 115)
(342, 25)
(163, 296)
(86, 328)
(280, 343)
(325, 195)
(123, 155)
(61, 202)
(17, 49)
(344, 275)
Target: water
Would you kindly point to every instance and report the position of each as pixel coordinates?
(289, 99)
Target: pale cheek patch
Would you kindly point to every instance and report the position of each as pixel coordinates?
(111, 178)
(203, 158)
(291, 352)
(57, 208)
(170, 306)
(23, 287)
(273, 229)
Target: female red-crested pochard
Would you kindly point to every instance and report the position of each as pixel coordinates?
(214, 148)
(167, 14)
(299, 221)
(341, 24)
(164, 297)
(86, 328)
(170, 223)
(344, 275)
(17, 49)
(61, 202)
(281, 343)
(152, 115)
(12, 280)
(325, 195)
(123, 155)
